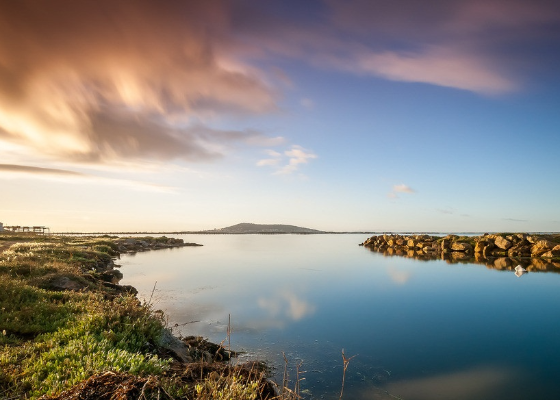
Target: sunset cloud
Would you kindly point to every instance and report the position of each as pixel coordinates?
(89, 82)
(25, 169)
(440, 67)
(13, 171)
(137, 80)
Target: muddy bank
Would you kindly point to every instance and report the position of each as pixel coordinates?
(535, 252)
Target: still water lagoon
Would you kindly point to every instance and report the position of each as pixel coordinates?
(420, 329)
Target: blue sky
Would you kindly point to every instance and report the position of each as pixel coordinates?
(354, 115)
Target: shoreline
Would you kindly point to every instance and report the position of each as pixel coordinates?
(90, 337)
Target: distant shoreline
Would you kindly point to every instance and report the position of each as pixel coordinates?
(299, 233)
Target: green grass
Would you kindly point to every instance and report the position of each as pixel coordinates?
(51, 340)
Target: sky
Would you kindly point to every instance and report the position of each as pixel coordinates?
(355, 115)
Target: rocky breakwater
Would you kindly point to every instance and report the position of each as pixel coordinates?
(499, 251)
(137, 244)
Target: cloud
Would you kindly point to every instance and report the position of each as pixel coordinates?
(480, 46)
(109, 81)
(514, 220)
(402, 188)
(55, 174)
(37, 170)
(103, 81)
(476, 45)
(437, 66)
(307, 103)
(288, 162)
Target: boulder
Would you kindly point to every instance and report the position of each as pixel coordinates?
(461, 246)
(480, 245)
(541, 247)
(62, 283)
(113, 276)
(502, 243)
(488, 251)
(532, 239)
(555, 252)
(521, 249)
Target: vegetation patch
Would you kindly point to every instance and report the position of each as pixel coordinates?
(66, 333)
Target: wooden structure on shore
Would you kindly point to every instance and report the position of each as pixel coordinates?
(43, 230)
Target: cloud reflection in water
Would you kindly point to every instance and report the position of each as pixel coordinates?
(286, 305)
(475, 383)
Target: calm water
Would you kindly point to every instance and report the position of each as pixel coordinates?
(420, 330)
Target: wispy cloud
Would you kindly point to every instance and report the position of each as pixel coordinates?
(77, 85)
(289, 161)
(514, 219)
(401, 188)
(13, 171)
(26, 169)
(437, 66)
(80, 86)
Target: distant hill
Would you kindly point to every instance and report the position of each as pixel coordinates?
(260, 228)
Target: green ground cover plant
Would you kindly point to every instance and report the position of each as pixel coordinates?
(96, 340)
(52, 339)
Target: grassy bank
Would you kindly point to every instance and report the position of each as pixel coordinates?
(68, 331)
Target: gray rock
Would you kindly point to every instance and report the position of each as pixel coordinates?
(175, 346)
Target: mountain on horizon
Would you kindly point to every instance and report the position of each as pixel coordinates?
(246, 227)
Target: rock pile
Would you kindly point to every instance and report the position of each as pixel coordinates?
(134, 245)
(495, 245)
(500, 251)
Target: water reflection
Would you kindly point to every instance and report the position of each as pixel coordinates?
(474, 383)
(398, 276)
(456, 257)
(286, 304)
(421, 329)
(519, 270)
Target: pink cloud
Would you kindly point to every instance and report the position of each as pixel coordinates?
(108, 80)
